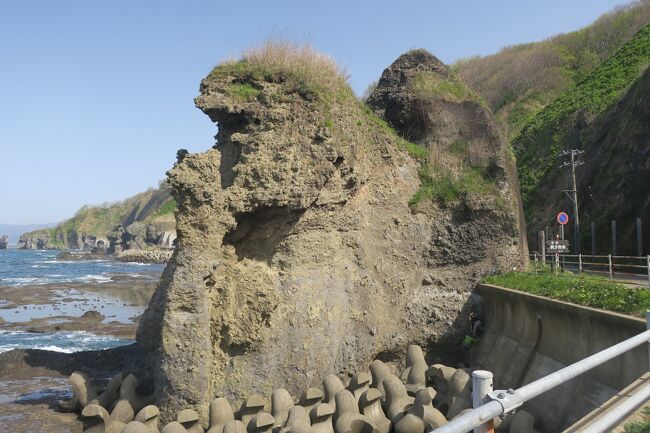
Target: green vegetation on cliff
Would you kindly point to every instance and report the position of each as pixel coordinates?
(521, 80)
(590, 291)
(545, 136)
(154, 206)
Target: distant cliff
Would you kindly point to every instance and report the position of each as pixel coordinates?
(146, 219)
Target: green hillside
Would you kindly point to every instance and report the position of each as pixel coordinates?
(519, 81)
(552, 130)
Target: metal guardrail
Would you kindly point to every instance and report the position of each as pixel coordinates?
(490, 404)
(613, 266)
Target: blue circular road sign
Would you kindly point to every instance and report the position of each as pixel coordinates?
(562, 218)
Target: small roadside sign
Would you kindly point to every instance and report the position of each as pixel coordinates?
(562, 218)
(557, 246)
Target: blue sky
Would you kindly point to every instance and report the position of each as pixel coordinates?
(96, 97)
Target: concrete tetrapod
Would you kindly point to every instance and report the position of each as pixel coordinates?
(234, 426)
(423, 408)
(310, 398)
(97, 420)
(459, 396)
(189, 419)
(439, 376)
(111, 393)
(359, 384)
(281, 404)
(332, 386)
(348, 417)
(220, 414)
(122, 411)
(370, 404)
(416, 377)
(379, 370)
(297, 416)
(128, 392)
(82, 393)
(250, 408)
(321, 418)
(149, 417)
(173, 427)
(262, 423)
(397, 400)
(135, 427)
(414, 356)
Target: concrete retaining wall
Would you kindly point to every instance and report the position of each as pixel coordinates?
(528, 337)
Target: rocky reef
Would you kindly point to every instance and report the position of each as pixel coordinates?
(4, 242)
(301, 251)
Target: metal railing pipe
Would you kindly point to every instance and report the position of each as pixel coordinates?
(618, 413)
(504, 402)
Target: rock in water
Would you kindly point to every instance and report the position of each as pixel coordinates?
(298, 254)
(4, 241)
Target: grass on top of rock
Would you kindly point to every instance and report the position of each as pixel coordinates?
(427, 84)
(300, 68)
(583, 290)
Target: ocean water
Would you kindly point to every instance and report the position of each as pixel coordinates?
(22, 267)
(32, 268)
(65, 341)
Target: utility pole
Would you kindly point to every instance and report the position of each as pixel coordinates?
(573, 163)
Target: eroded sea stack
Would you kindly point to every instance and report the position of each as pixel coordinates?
(309, 241)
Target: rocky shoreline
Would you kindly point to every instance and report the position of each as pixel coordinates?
(144, 256)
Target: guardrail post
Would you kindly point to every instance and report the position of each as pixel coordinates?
(647, 325)
(542, 245)
(580, 264)
(482, 383)
(611, 271)
(535, 262)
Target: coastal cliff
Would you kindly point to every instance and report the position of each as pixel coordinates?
(311, 239)
(145, 220)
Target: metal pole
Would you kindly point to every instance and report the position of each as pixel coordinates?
(614, 237)
(611, 271)
(648, 266)
(506, 401)
(593, 238)
(542, 245)
(535, 262)
(562, 231)
(615, 416)
(557, 263)
(482, 382)
(639, 237)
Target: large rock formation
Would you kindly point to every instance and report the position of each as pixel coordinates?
(4, 241)
(298, 254)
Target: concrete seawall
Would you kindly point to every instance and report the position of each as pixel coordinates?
(528, 337)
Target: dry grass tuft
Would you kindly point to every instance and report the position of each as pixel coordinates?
(298, 65)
